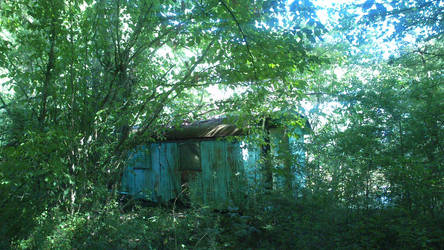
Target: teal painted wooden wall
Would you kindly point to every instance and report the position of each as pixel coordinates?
(151, 172)
(228, 170)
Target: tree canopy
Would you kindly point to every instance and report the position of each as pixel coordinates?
(84, 82)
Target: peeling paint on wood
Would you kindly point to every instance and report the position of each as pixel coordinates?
(221, 173)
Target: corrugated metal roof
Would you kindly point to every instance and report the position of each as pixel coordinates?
(217, 127)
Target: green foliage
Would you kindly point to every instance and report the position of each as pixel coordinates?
(272, 221)
(84, 74)
(90, 80)
(407, 17)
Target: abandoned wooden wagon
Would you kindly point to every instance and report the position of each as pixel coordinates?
(215, 162)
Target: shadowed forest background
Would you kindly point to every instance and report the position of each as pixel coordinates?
(77, 77)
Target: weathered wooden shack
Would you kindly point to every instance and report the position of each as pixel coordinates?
(214, 162)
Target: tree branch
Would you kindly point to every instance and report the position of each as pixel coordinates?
(244, 37)
(163, 100)
(48, 74)
(5, 106)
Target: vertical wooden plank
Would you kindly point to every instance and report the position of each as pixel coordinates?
(167, 175)
(236, 185)
(251, 157)
(140, 156)
(134, 179)
(173, 169)
(147, 186)
(163, 179)
(125, 184)
(222, 173)
(140, 183)
(190, 173)
(155, 171)
(282, 159)
(206, 151)
(215, 172)
(128, 178)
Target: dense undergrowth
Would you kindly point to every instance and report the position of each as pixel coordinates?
(271, 222)
(77, 76)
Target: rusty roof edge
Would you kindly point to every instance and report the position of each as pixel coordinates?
(218, 127)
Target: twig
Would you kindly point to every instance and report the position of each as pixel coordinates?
(201, 238)
(244, 37)
(5, 106)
